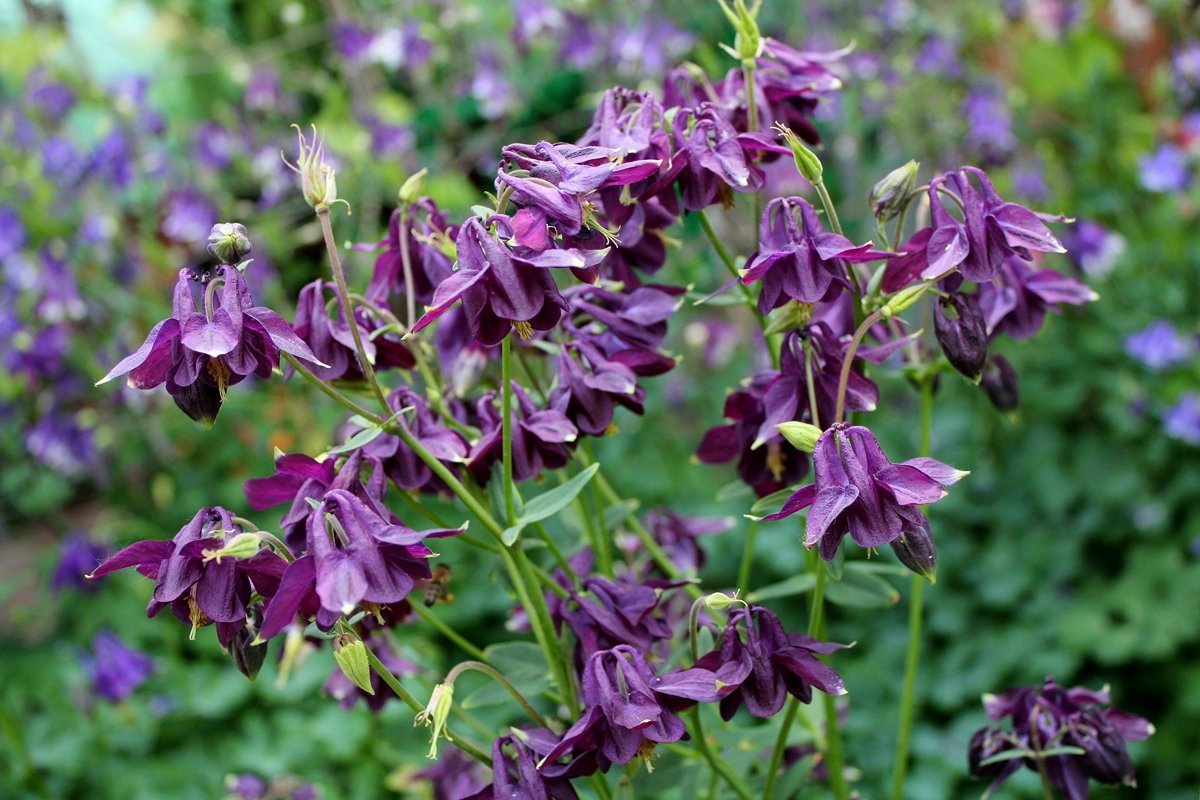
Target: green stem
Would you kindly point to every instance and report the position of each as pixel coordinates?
(723, 254)
(743, 581)
(785, 727)
(594, 523)
(410, 300)
(347, 304)
(510, 509)
(715, 761)
(752, 124)
(494, 674)
(848, 362)
(328, 390)
(912, 657)
(451, 634)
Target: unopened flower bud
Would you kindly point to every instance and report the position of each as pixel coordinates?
(985, 744)
(904, 299)
(791, 316)
(351, 656)
(961, 332)
(807, 163)
(891, 193)
(247, 656)
(915, 550)
(748, 43)
(999, 380)
(1105, 757)
(802, 435)
(228, 242)
(719, 601)
(412, 188)
(436, 713)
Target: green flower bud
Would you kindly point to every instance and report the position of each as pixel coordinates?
(802, 435)
(791, 316)
(351, 656)
(807, 163)
(748, 43)
(890, 194)
(412, 188)
(719, 601)
(904, 299)
(228, 242)
(436, 713)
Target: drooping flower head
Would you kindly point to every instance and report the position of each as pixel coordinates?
(200, 354)
(858, 491)
(1048, 717)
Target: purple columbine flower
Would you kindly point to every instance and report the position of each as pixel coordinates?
(498, 293)
(961, 332)
(1049, 717)
(116, 671)
(800, 261)
(332, 342)
(1182, 420)
(677, 536)
(60, 443)
(190, 576)
(1017, 301)
(604, 614)
(517, 776)
(199, 354)
(991, 229)
(78, 556)
(354, 555)
(858, 491)
(590, 387)
(628, 709)
(1165, 170)
(711, 160)
(400, 462)
(1158, 346)
(763, 664)
(425, 239)
(541, 438)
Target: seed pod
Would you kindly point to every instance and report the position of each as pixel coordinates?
(961, 332)
(915, 550)
(999, 380)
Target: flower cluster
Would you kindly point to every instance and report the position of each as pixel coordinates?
(1072, 735)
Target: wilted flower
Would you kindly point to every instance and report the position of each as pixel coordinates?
(116, 671)
(1048, 718)
(858, 491)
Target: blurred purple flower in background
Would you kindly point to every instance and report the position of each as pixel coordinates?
(187, 217)
(1158, 346)
(1094, 248)
(1185, 71)
(1164, 170)
(59, 442)
(12, 233)
(989, 124)
(116, 671)
(78, 556)
(1182, 420)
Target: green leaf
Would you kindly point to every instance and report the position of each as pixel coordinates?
(859, 589)
(797, 584)
(549, 503)
(613, 515)
(360, 439)
(521, 663)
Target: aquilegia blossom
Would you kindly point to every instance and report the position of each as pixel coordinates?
(116, 671)
(200, 354)
(1047, 718)
(858, 491)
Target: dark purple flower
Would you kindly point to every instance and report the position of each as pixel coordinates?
(711, 161)
(59, 442)
(78, 556)
(517, 777)
(590, 387)
(1048, 717)
(800, 261)
(425, 239)
(53, 99)
(400, 462)
(540, 438)
(332, 341)
(628, 709)
(116, 671)
(200, 354)
(354, 554)
(246, 787)
(190, 576)
(961, 332)
(603, 614)
(858, 491)
(763, 664)
(498, 293)
(1165, 170)
(1158, 346)
(1000, 383)
(626, 327)
(1182, 420)
(991, 229)
(1017, 300)
(677, 536)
